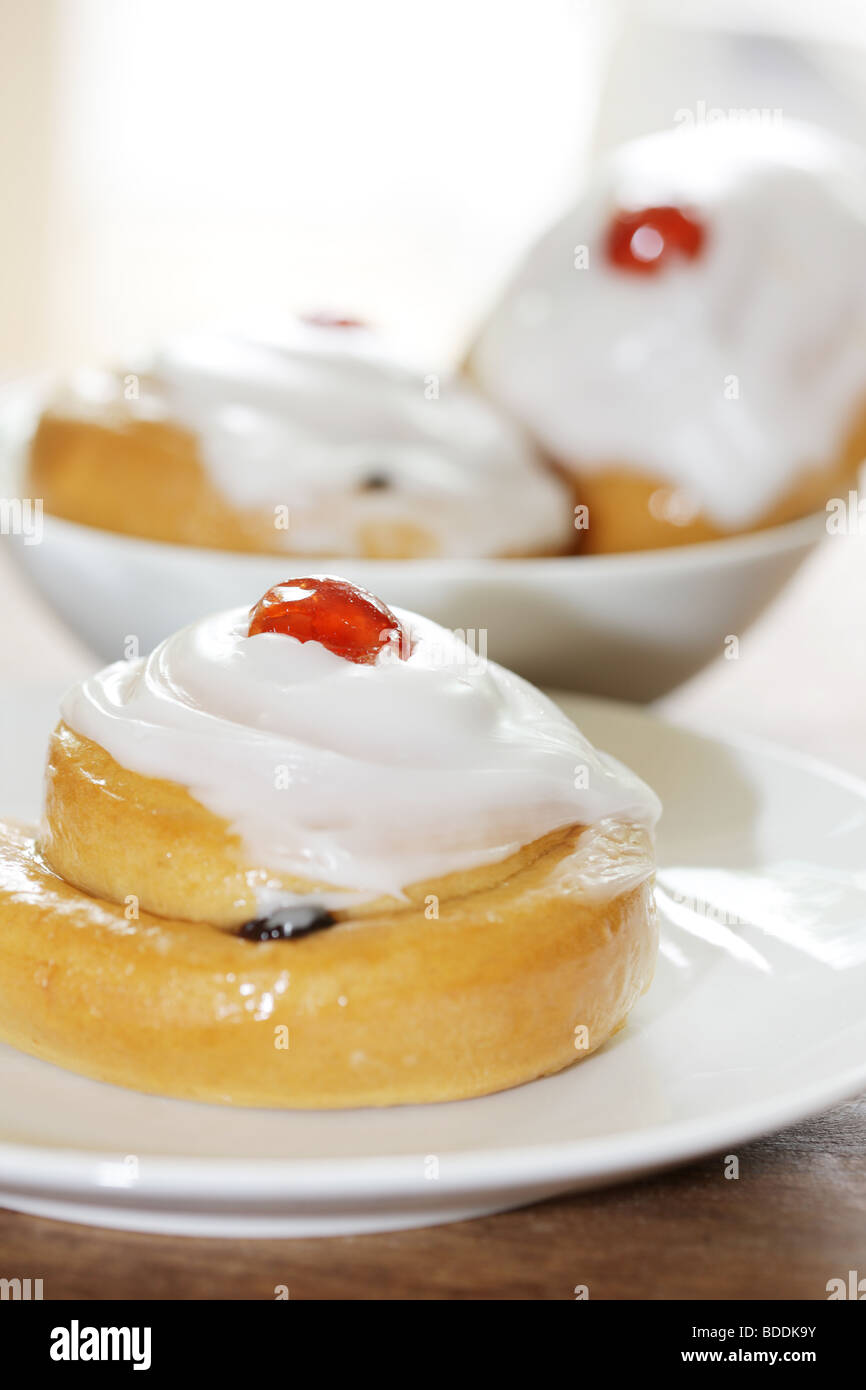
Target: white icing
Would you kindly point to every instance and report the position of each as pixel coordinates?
(303, 423)
(726, 375)
(365, 777)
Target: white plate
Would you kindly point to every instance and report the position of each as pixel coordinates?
(753, 1021)
(629, 626)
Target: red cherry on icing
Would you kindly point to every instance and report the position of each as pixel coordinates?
(347, 620)
(325, 319)
(644, 241)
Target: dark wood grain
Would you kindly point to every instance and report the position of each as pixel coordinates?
(794, 1218)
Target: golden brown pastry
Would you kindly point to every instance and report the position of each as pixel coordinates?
(321, 855)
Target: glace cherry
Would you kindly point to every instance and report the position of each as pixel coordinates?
(644, 241)
(347, 620)
(325, 318)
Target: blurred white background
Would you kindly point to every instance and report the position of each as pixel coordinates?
(167, 163)
(181, 160)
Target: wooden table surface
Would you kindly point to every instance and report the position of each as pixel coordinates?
(794, 1219)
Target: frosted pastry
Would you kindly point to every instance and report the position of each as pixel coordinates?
(317, 446)
(690, 340)
(321, 855)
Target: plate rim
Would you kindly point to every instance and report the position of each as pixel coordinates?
(592, 1159)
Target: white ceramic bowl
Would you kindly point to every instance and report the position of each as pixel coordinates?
(629, 626)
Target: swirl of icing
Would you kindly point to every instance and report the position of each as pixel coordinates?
(364, 777)
(726, 372)
(325, 424)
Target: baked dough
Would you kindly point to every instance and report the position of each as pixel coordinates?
(386, 1007)
(628, 510)
(319, 448)
(146, 479)
(485, 912)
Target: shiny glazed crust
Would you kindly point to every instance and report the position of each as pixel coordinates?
(394, 1006)
(111, 832)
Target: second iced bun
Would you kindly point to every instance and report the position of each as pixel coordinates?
(690, 340)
